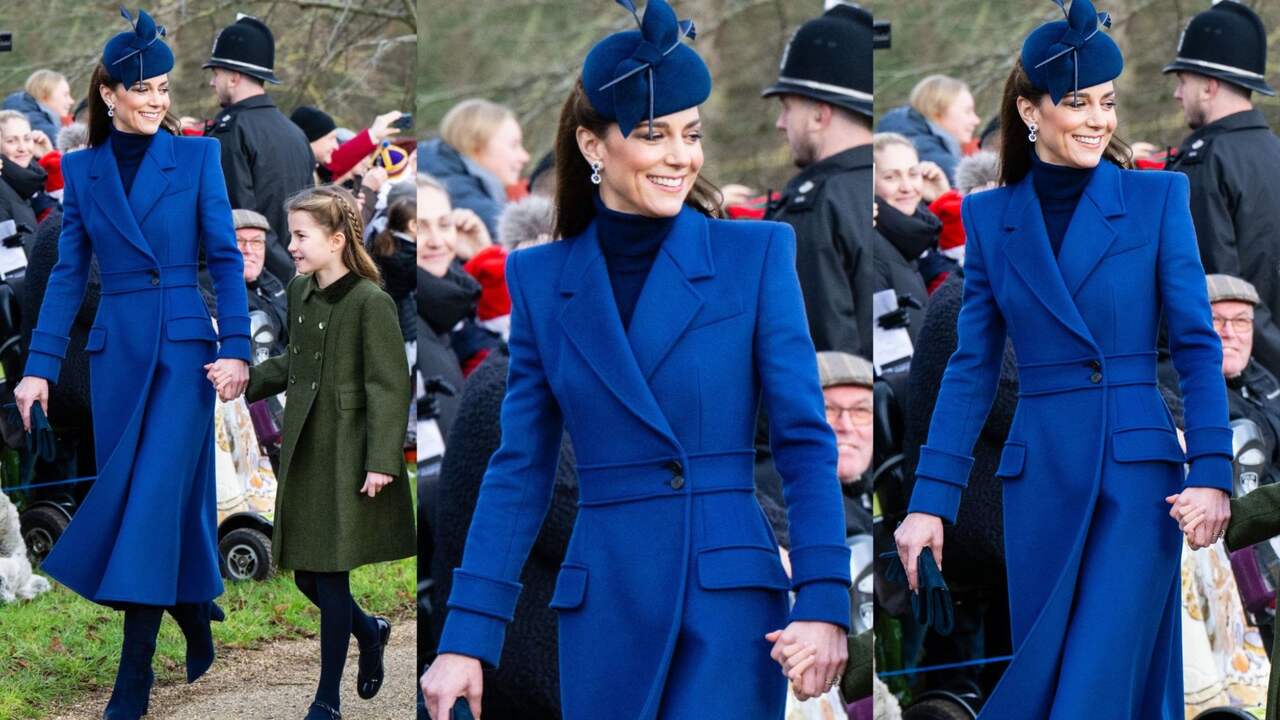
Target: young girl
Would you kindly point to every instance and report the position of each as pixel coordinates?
(343, 499)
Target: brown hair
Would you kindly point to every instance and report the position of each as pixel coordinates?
(1016, 149)
(334, 209)
(399, 215)
(574, 207)
(100, 122)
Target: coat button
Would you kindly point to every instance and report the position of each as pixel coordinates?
(321, 324)
(155, 278)
(1095, 378)
(317, 356)
(314, 386)
(300, 319)
(1095, 364)
(293, 379)
(677, 474)
(295, 349)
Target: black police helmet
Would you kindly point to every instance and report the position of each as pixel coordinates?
(829, 59)
(1227, 42)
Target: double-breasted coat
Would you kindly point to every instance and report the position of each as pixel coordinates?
(1091, 552)
(672, 576)
(146, 532)
(347, 393)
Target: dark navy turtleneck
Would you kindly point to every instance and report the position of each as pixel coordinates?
(629, 243)
(1059, 189)
(129, 149)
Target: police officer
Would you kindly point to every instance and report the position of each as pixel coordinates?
(1232, 157)
(265, 157)
(825, 90)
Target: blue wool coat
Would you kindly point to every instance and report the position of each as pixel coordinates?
(672, 576)
(146, 531)
(1092, 555)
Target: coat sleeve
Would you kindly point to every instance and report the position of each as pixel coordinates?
(350, 153)
(514, 498)
(226, 263)
(386, 385)
(802, 441)
(65, 291)
(967, 391)
(1196, 348)
(1254, 517)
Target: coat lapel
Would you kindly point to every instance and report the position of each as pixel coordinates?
(591, 322)
(108, 194)
(669, 301)
(152, 180)
(1090, 235)
(1026, 244)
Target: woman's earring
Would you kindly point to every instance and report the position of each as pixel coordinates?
(1032, 135)
(595, 172)
(111, 112)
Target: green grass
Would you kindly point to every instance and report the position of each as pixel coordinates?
(57, 648)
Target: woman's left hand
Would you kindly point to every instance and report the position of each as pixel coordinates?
(830, 653)
(933, 181)
(229, 376)
(375, 481)
(1202, 514)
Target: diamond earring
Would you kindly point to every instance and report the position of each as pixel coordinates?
(111, 112)
(595, 172)
(1032, 135)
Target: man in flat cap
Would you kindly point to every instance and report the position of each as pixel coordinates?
(265, 157)
(1232, 156)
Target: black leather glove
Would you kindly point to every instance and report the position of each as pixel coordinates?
(931, 603)
(894, 319)
(40, 440)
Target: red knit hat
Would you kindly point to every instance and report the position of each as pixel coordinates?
(489, 268)
(52, 164)
(947, 209)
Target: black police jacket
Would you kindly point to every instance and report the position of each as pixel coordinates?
(1235, 204)
(268, 295)
(1255, 394)
(265, 159)
(829, 205)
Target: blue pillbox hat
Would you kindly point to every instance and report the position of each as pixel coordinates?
(137, 54)
(1064, 56)
(646, 73)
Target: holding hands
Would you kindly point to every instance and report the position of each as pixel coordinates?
(812, 656)
(1202, 514)
(230, 377)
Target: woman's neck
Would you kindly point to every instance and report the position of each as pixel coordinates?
(330, 274)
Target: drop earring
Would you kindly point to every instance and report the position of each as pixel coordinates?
(1032, 135)
(595, 172)
(111, 112)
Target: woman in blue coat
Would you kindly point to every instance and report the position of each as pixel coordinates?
(145, 203)
(1078, 261)
(650, 333)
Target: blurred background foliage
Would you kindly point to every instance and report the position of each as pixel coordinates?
(527, 54)
(978, 40)
(352, 58)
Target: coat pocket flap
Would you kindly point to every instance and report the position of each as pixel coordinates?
(1012, 459)
(1145, 445)
(189, 328)
(351, 399)
(741, 566)
(571, 587)
(97, 339)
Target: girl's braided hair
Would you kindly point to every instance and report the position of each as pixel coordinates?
(334, 209)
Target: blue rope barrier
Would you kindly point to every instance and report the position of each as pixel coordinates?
(947, 666)
(51, 483)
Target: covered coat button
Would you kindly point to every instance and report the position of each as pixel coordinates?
(321, 324)
(677, 474)
(293, 379)
(1095, 378)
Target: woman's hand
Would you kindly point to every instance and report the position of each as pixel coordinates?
(375, 481)
(381, 128)
(473, 236)
(812, 654)
(933, 181)
(1202, 513)
(917, 532)
(374, 179)
(42, 144)
(229, 376)
(449, 677)
(30, 391)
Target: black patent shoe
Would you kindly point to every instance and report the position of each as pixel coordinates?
(322, 711)
(369, 677)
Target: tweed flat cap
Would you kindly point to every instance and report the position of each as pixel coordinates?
(242, 218)
(838, 368)
(1230, 287)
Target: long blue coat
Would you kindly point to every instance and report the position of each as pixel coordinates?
(146, 531)
(672, 576)
(1092, 554)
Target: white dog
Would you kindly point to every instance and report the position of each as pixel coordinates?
(16, 578)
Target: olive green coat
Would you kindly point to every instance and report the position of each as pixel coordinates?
(1254, 518)
(347, 393)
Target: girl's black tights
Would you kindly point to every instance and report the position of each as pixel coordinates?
(340, 618)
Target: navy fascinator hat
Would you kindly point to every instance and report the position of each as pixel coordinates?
(637, 74)
(139, 53)
(1063, 56)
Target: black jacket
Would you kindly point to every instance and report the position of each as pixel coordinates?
(1235, 204)
(1255, 394)
(265, 159)
(442, 304)
(268, 295)
(900, 239)
(829, 205)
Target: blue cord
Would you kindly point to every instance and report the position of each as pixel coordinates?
(947, 666)
(36, 486)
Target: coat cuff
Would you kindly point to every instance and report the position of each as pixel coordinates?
(235, 347)
(822, 601)
(474, 635)
(485, 595)
(1208, 441)
(49, 344)
(935, 498)
(43, 365)
(1210, 471)
(812, 563)
(944, 466)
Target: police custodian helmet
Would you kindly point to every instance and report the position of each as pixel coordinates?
(829, 59)
(246, 46)
(1227, 42)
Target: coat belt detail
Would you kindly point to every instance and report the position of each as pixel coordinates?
(1088, 372)
(665, 477)
(165, 276)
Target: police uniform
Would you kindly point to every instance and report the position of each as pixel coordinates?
(265, 157)
(829, 202)
(1232, 162)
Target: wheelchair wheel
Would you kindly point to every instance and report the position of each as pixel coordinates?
(42, 525)
(245, 554)
(1224, 713)
(939, 706)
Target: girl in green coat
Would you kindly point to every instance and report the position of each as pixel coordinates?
(343, 498)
